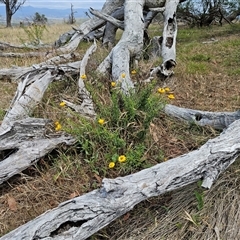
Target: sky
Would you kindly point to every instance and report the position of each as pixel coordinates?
(64, 4)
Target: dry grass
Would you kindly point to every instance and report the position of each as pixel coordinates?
(15, 35)
(206, 78)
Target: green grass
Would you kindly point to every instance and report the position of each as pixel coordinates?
(206, 78)
(122, 130)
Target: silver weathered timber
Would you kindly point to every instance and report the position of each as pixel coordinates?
(63, 62)
(82, 216)
(25, 142)
(86, 108)
(129, 46)
(217, 120)
(168, 42)
(88, 26)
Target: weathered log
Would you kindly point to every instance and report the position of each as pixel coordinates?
(31, 88)
(129, 46)
(108, 18)
(168, 40)
(217, 120)
(15, 73)
(111, 29)
(23, 55)
(25, 142)
(30, 91)
(86, 108)
(85, 28)
(4, 46)
(82, 216)
(26, 98)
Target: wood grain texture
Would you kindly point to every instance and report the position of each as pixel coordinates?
(82, 216)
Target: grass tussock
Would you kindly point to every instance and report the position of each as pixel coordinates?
(131, 133)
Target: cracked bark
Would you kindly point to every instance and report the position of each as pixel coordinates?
(24, 140)
(86, 214)
(217, 120)
(168, 43)
(129, 46)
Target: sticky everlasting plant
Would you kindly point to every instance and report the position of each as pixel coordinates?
(115, 140)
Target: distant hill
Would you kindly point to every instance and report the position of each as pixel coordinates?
(28, 11)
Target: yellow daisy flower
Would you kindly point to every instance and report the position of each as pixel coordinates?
(84, 76)
(111, 165)
(167, 89)
(56, 123)
(133, 71)
(62, 104)
(101, 121)
(113, 84)
(122, 158)
(161, 90)
(171, 96)
(58, 127)
(123, 75)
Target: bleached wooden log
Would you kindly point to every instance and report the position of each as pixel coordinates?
(25, 142)
(168, 40)
(82, 216)
(88, 26)
(26, 98)
(22, 55)
(30, 91)
(108, 18)
(169, 37)
(97, 34)
(86, 108)
(5, 46)
(217, 120)
(159, 9)
(111, 29)
(15, 73)
(129, 46)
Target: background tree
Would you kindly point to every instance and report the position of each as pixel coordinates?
(205, 12)
(71, 17)
(11, 7)
(38, 18)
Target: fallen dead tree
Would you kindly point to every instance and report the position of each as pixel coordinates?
(25, 140)
(217, 120)
(82, 216)
(61, 62)
(6, 46)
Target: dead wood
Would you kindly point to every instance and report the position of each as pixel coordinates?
(16, 73)
(82, 216)
(23, 55)
(217, 120)
(86, 108)
(25, 142)
(6, 46)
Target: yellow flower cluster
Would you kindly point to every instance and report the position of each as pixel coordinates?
(121, 159)
(58, 126)
(167, 91)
